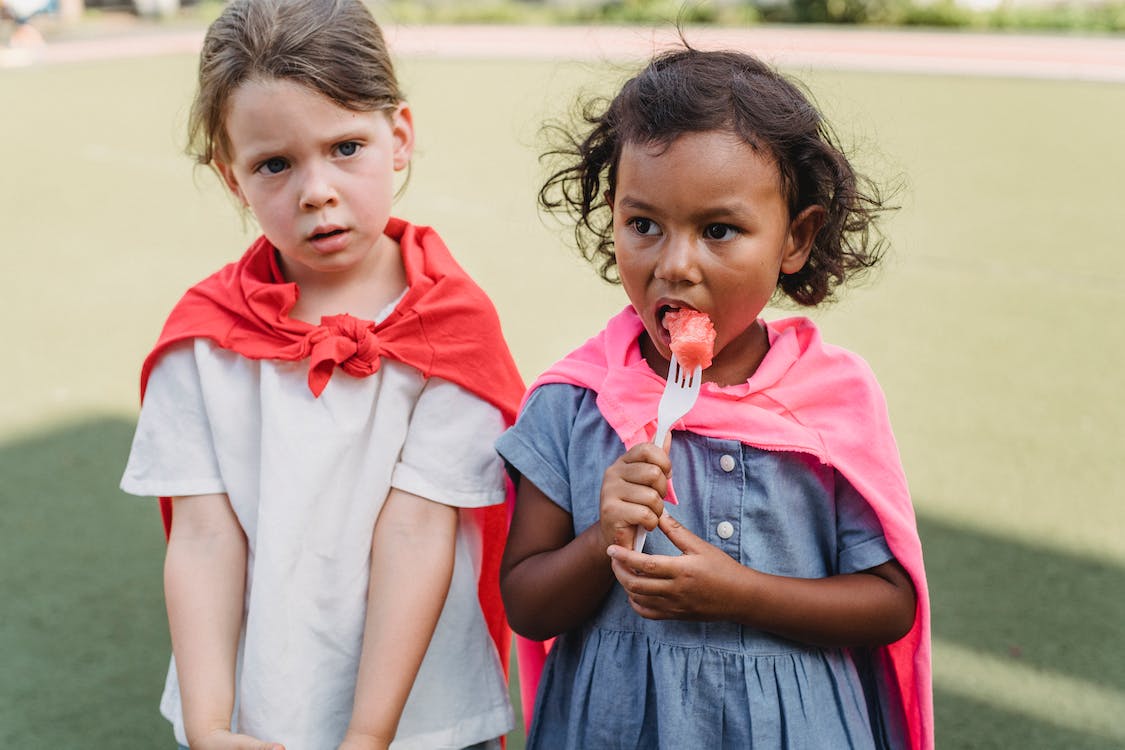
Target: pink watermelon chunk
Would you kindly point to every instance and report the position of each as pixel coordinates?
(693, 337)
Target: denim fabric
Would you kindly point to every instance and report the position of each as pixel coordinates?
(622, 681)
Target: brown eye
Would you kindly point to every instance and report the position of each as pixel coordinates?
(719, 232)
(645, 227)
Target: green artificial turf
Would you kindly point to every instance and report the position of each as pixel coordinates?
(994, 327)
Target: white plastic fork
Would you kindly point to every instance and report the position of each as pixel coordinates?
(680, 393)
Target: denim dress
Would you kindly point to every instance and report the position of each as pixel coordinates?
(621, 681)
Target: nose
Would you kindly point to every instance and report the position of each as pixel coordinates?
(317, 189)
(679, 259)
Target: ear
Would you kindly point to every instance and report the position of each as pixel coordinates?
(402, 130)
(802, 231)
(227, 173)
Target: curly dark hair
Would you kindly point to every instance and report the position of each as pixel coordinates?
(687, 91)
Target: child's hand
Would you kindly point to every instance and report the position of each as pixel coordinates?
(691, 586)
(633, 491)
(222, 739)
(355, 741)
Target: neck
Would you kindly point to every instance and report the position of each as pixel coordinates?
(363, 291)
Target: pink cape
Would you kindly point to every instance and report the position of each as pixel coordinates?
(806, 396)
(444, 326)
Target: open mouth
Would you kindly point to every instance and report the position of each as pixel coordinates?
(326, 235)
(663, 310)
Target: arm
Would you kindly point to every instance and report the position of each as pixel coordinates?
(412, 557)
(870, 608)
(204, 586)
(552, 580)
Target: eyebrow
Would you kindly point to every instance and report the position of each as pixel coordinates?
(714, 213)
(635, 204)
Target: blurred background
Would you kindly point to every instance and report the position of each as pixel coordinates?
(995, 326)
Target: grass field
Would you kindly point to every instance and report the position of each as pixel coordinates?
(995, 327)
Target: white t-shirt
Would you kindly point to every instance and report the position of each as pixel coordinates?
(306, 478)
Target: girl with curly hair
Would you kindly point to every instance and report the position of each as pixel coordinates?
(780, 599)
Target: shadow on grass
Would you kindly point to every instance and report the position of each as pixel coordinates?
(85, 645)
(82, 628)
(970, 725)
(1044, 612)
(1043, 608)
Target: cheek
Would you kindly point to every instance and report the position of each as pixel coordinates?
(629, 267)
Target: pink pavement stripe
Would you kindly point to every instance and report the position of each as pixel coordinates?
(1090, 58)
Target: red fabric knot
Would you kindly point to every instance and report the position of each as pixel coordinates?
(344, 341)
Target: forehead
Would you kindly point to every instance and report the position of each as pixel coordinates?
(265, 113)
(698, 166)
(278, 97)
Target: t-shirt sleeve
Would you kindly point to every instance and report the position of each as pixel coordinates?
(448, 455)
(859, 535)
(538, 446)
(173, 451)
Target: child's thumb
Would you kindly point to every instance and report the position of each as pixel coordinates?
(677, 533)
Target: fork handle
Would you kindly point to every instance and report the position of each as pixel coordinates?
(639, 539)
(642, 533)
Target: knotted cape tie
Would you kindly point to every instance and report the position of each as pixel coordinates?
(341, 341)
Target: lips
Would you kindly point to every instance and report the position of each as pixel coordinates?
(663, 307)
(328, 238)
(325, 230)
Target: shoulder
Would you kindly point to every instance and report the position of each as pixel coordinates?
(556, 400)
(199, 371)
(549, 415)
(812, 357)
(456, 402)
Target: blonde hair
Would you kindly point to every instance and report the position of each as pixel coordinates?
(334, 47)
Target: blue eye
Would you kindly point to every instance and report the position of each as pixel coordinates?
(348, 148)
(720, 232)
(275, 165)
(644, 227)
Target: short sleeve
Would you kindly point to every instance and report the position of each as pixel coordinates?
(448, 455)
(538, 445)
(173, 452)
(859, 535)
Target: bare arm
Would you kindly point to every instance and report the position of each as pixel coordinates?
(870, 608)
(552, 580)
(204, 586)
(412, 557)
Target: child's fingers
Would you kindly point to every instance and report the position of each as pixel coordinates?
(645, 475)
(644, 579)
(679, 534)
(249, 743)
(229, 741)
(636, 566)
(650, 454)
(621, 519)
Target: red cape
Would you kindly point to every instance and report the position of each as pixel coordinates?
(444, 326)
(806, 396)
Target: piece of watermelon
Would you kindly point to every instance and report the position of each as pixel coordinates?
(693, 337)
